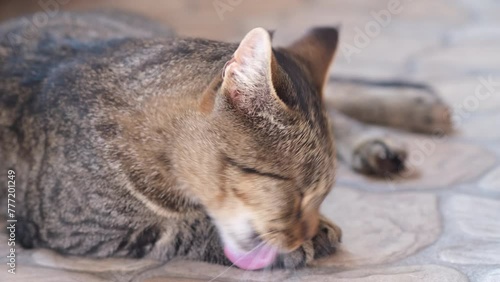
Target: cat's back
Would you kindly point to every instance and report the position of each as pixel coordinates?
(100, 52)
(61, 84)
(31, 51)
(37, 62)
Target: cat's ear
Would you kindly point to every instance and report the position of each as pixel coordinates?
(316, 50)
(247, 77)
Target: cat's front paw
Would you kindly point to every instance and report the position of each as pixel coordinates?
(379, 156)
(327, 240)
(323, 244)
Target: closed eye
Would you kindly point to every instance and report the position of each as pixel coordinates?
(250, 170)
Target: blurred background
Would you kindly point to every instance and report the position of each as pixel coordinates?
(389, 38)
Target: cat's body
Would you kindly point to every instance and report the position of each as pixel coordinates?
(98, 123)
(55, 135)
(127, 141)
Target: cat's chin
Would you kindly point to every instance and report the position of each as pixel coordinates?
(258, 258)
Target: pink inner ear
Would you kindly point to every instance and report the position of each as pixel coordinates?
(255, 46)
(225, 66)
(249, 67)
(242, 54)
(232, 88)
(252, 56)
(235, 95)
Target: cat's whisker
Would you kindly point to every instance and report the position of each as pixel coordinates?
(236, 261)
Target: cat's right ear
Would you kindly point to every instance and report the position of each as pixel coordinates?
(247, 77)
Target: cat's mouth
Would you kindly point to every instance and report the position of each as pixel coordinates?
(250, 253)
(261, 256)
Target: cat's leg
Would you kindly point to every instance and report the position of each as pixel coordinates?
(323, 244)
(412, 107)
(367, 149)
(194, 237)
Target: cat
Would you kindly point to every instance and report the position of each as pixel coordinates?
(128, 141)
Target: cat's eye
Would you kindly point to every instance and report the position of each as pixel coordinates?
(250, 170)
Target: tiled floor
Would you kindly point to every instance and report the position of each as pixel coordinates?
(441, 222)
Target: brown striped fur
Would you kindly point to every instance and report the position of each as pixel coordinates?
(128, 141)
(131, 142)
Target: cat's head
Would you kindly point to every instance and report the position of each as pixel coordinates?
(274, 159)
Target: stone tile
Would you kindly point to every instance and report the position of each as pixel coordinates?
(41, 274)
(376, 50)
(368, 71)
(375, 61)
(491, 181)
(480, 128)
(474, 34)
(443, 13)
(390, 226)
(172, 279)
(289, 25)
(491, 276)
(456, 61)
(466, 96)
(427, 273)
(199, 271)
(432, 163)
(473, 253)
(53, 260)
(477, 217)
(483, 11)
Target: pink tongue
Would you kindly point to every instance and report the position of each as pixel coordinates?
(256, 259)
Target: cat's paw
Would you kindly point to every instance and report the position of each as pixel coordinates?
(379, 156)
(327, 240)
(323, 244)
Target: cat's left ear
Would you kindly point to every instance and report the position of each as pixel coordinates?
(316, 50)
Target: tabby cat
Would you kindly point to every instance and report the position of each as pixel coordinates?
(128, 141)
